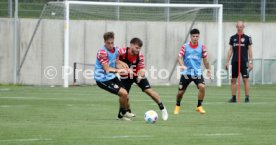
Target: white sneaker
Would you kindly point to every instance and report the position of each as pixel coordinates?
(124, 119)
(128, 115)
(132, 114)
(165, 114)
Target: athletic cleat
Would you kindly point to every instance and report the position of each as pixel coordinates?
(128, 115)
(132, 114)
(232, 100)
(176, 109)
(246, 100)
(165, 114)
(124, 119)
(200, 110)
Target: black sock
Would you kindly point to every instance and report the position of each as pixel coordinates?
(246, 96)
(161, 106)
(199, 103)
(122, 111)
(234, 97)
(178, 103)
(129, 110)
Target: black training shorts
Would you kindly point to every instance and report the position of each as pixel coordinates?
(185, 80)
(143, 83)
(244, 69)
(113, 86)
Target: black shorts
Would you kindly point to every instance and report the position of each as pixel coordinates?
(143, 84)
(185, 80)
(244, 70)
(113, 86)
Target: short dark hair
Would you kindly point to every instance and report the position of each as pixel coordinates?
(137, 41)
(108, 35)
(194, 31)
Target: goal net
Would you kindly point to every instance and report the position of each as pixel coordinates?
(68, 34)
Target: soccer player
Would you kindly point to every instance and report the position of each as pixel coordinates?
(245, 43)
(189, 59)
(105, 77)
(135, 60)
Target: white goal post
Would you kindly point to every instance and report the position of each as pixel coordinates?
(67, 5)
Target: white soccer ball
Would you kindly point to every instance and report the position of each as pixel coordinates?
(151, 116)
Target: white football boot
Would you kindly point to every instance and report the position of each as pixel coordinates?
(165, 114)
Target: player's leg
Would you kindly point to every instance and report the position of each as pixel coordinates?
(123, 114)
(145, 86)
(245, 76)
(127, 83)
(199, 81)
(234, 83)
(183, 84)
(114, 87)
(122, 92)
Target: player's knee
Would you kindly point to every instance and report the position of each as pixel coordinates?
(123, 93)
(233, 81)
(180, 92)
(201, 86)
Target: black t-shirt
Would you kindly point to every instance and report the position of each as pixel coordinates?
(245, 42)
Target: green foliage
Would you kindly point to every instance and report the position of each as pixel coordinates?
(248, 10)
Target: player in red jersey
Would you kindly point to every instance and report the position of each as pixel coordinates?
(135, 60)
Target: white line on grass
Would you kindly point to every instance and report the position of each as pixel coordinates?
(5, 89)
(126, 136)
(28, 139)
(8, 106)
(221, 134)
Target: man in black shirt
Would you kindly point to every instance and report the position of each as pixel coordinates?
(244, 42)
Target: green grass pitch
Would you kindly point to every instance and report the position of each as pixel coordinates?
(86, 116)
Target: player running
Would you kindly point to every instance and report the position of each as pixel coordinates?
(105, 77)
(135, 61)
(189, 59)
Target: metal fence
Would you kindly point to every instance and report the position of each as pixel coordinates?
(247, 10)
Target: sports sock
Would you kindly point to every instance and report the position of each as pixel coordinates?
(178, 103)
(246, 96)
(161, 106)
(199, 103)
(122, 111)
(234, 97)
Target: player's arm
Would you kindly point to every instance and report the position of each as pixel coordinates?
(109, 69)
(180, 58)
(250, 64)
(103, 58)
(205, 61)
(229, 54)
(207, 66)
(141, 66)
(121, 65)
(141, 73)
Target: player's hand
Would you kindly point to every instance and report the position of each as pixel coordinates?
(183, 67)
(226, 66)
(140, 75)
(123, 71)
(250, 66)
(209, 74)
(121, 65)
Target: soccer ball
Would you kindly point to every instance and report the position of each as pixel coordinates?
(151, 116)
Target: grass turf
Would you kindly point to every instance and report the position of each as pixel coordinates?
(86, 116)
